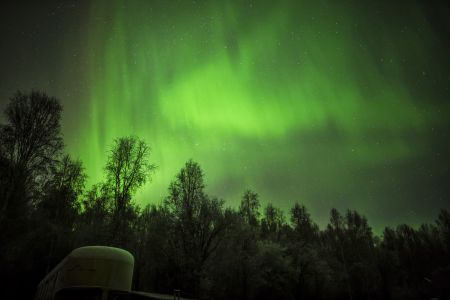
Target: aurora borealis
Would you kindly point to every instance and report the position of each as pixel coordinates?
(330, 103)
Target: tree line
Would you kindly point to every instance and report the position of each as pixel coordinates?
(191, 241)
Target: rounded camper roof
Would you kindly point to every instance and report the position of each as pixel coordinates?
(104, 252)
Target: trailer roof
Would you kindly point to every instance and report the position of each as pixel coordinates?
(103, 252)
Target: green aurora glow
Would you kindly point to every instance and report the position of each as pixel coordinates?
(330, 104)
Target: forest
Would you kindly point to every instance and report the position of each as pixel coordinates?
(190, 240)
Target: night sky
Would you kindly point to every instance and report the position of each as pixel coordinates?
(330, 103)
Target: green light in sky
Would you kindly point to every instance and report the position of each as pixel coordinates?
(293, 97)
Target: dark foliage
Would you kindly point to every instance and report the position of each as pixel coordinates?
(190, 241)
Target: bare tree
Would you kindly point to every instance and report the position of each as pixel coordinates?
(249, 208)
(303, 226)
(31, 143)
(198, 222)
(59, 207)
(127, 169)
(272, 222)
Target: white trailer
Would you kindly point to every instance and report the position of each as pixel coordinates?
(91, 273)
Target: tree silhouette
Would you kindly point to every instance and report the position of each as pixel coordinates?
(304, 227)
(96, 217)
(249, 208)
(272, 223)
(31, 142)
(59, 207)
(198, 222)
(127, 169)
